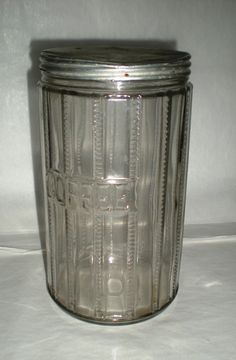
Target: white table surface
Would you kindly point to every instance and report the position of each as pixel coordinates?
(199, 324)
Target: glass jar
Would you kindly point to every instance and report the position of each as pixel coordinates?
(115, 136)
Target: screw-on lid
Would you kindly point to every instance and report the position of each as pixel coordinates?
(116, 64)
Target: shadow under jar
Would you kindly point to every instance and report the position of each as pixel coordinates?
(115, 135)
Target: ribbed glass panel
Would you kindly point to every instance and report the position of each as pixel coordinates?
(116, 177)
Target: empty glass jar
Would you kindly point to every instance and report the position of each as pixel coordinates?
(115, 137)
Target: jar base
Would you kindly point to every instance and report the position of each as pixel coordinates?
(109, 322)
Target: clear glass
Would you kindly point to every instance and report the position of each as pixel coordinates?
(115, 174)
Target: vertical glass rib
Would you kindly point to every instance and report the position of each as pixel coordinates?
(169, 237)
(69, 214)
(79, 240)
(134, 137)
(46, 129)
(79, 126)
(154, 185)
(131, 262)
(98, 138)
(71, 269)
(51, 221)
(132, 240)
(181, 191)
(159, 193)
(98, 258)
(61, 254)
(178, 102)
(98, 219)
(44, 136)
(56, 139)
(108, 246)
(49, 129)
(66, 105)
(165, 251)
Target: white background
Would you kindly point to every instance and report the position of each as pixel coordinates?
(205, 28)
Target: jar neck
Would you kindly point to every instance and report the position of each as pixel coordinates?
(114, 87)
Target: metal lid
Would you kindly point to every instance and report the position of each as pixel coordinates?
(116, 64)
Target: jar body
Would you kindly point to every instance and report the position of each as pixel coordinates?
(115, 183)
